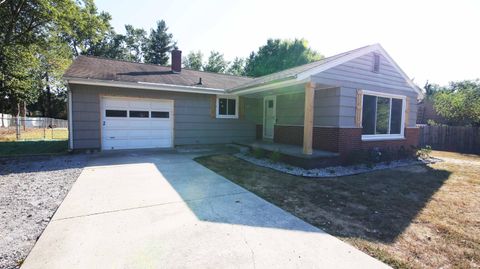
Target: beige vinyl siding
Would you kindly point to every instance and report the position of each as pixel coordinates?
(192, 121)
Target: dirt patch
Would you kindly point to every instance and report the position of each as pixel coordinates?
(31, 189)
(422, 216)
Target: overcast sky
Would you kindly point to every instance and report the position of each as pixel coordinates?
(437, 41)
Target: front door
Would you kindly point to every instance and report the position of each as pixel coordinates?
(269, 118)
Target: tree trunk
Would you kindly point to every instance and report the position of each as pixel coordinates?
(17, 121)
(48, 110)
(24, 116)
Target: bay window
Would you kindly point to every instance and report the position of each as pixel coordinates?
(382, 116)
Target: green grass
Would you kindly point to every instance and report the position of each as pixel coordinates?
(34, 134)
(23, 148)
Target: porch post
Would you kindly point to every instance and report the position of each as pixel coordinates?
(308, 118)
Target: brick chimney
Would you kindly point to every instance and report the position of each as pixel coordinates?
(176, 61)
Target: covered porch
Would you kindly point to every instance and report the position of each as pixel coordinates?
(285, 115)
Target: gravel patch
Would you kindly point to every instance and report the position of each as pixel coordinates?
(333, 171)
(31, 189)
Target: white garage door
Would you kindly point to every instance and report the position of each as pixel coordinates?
(131, 123)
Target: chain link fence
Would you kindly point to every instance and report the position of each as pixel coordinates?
(32, 128)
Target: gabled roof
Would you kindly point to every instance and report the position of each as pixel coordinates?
(291, 72)
(303, 72)
(102, 69)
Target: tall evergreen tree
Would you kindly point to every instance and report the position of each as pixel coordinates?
(158, 45)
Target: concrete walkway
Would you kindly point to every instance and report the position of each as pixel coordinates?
(163, 210)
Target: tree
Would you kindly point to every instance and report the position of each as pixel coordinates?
(459, 102)
(237, 67)
(134, 40)
(279, 55)
(216, 63)
(194, 60)
(86, 27)
(34, 39)
(158, 45)
(430, 89)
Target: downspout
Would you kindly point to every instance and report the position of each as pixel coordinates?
(70, 123)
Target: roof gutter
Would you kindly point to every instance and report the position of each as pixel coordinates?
(269, 85)
(143, 85)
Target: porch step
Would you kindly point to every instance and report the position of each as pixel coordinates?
(293, 154)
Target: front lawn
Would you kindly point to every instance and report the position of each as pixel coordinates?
(410, 217)
(9, 134)
(33, 147)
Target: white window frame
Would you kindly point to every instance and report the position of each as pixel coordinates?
(235, 97)
(376, 137)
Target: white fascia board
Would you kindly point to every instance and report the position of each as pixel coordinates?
(270, 86)
(144, 85)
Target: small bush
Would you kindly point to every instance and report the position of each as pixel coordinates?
(425, 152)
(275, 156)
(258, 153)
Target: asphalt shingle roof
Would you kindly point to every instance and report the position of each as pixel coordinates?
(88, 67)
(116, 70)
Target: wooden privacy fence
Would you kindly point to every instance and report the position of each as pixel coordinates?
(451, 138)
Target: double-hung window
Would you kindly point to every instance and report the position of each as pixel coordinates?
(382, 116)
(227, 106)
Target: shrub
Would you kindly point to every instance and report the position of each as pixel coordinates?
(425, 152)
(258, 153)
(275, 156)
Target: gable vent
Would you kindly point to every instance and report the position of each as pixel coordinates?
(376, 63)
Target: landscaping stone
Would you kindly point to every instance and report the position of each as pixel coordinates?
(31, 189)
(333, 171)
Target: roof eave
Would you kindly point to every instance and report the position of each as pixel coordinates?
(143, 85)
(283, 82)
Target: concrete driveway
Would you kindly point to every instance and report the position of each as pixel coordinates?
(164, 210)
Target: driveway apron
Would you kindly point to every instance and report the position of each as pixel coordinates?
(164, 210)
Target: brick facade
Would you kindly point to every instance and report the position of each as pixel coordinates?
(341, 140)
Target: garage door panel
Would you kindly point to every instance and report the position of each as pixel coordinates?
(108, 134)
(130, 132)
(116, 103)
(161, 133)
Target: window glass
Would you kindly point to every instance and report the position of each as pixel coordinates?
(227, 107)
(138, 114)
(115, 113)
(368, 114)
(383, 115)
(160, 114)
(396, 121)
(231, 107)
(222, 106)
